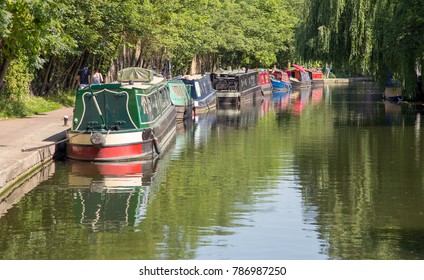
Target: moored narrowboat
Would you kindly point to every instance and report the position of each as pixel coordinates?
(235, 87)
(202, 92)
(181, 99)
(315, 75)
(130, 119)
(280, 80)
(299, 78)
(393, 89)
(265, 82)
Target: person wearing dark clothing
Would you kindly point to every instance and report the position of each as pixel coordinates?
(84, 77)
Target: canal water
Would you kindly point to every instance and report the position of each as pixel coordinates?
(331, 172)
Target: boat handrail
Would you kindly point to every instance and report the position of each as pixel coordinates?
(157, 88)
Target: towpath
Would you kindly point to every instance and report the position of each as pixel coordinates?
(26, 133)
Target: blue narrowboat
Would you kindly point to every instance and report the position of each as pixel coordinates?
(202, 92)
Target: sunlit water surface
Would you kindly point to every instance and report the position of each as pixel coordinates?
(331, 172)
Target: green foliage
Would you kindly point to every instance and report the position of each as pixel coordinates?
(332, 75)
(18, 79)
(5, 19)
(255, 32)
(15, 100)
(47, 41)
(12, 108)
(31, 29)
(365, 37)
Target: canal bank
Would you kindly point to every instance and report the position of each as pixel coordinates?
(348, 80)
(19, 142)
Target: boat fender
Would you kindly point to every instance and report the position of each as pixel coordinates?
(98, 140)
(146, 134)
(155, 143)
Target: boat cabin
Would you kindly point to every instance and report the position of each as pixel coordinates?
(202, 91)
(118, 106)
(235, 80)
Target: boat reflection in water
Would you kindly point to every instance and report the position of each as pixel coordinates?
(281, 100)
(241, 116)
(183, 138)
(203, 127)
(301, 99)
(109, 196)
(393, 112)
(317, 93)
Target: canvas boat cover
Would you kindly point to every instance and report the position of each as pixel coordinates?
(300, 68)
(136, 74)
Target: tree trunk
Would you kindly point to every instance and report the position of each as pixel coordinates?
(74, 70)
(47, 76)
(203, 63)
(3, 71)
(139, 55)
(193, 66)
(67, 78)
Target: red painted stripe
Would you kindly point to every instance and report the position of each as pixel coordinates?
(116, 152)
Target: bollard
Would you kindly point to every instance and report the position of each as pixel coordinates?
(65, 120)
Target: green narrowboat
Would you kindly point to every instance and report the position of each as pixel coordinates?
(130, 119)
(181, 99)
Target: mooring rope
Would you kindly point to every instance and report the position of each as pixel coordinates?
(48, 145)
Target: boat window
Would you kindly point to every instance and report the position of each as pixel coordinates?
(208, 84)
(226, 83)
(164, 98)
(155, 108)
(167, 96)
(147, 108)
(198, 90)
(158, 98)
(177, 90)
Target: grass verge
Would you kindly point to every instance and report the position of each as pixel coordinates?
(33, 105)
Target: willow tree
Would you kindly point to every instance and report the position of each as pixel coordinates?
(404, 49)
(338, 32)
(365, 37)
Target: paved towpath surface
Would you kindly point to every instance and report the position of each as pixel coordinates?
(26, 133)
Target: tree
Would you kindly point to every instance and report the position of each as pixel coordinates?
(365, 37)
(50, 40)
(31, 30)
